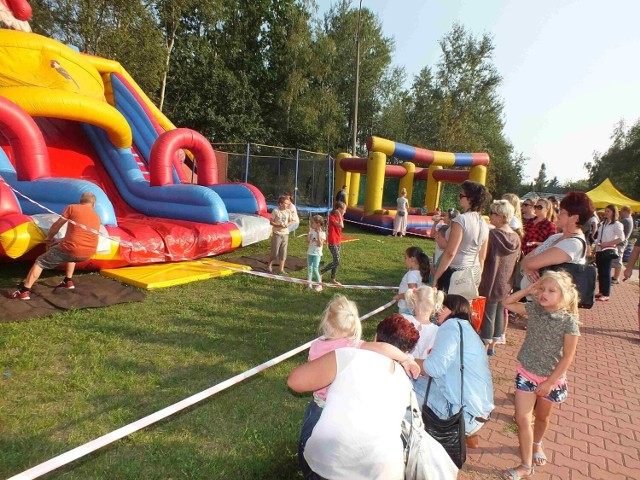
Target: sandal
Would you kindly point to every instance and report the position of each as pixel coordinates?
(539, 458)
(512, 473)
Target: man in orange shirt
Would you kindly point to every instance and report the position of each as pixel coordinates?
(78, 245)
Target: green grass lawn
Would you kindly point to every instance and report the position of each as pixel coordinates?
(75, 376)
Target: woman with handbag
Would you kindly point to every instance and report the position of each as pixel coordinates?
(467, 245)
(566, 247)
(610, 234)
(459, 380)
(400, 220)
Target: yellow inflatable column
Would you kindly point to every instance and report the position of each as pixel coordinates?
(407, 180)
(478, 174)
(432, 196)
(353, 189)
(341, 177)
(375, 182)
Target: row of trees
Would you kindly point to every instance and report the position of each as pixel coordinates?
(270, 71)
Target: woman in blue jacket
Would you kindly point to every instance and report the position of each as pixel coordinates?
(443, 366)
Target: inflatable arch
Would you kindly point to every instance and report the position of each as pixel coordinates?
(419, 164)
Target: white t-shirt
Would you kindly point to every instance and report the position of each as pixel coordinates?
(402, 204)
(314, 247)
(572, 246)
(427, 337)
(358, 434)
(515, 223)
(412, 276)
(475, 232)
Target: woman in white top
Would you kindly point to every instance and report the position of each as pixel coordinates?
(610, 234)
(467, 244)
(358, 434)
(400, 220)
(566, 247)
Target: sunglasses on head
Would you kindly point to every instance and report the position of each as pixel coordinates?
(538, 207)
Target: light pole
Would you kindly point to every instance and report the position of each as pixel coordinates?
(355, 104)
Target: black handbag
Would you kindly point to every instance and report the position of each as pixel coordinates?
(584, 277)
(450, 433)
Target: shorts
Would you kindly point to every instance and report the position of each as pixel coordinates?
(528, 382)
(279, 244)
(55, 257)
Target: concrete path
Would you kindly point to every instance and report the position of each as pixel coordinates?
(595, 434)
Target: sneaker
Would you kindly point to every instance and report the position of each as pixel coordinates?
(318, 288)
(66, 284)
(18, 295)
(614, 281)
(270, 268)
(502, 340)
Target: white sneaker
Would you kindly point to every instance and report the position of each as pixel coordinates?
(310, 286)
(502, 340)
(318, 288)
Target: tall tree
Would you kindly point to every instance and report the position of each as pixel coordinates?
(540, 182)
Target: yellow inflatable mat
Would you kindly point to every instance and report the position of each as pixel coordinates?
(163, 275)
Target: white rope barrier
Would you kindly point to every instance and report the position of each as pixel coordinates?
(111, 437)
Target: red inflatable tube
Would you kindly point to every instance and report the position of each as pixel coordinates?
(24, 136)
(20, 8)
(162, 157)
(8, 202)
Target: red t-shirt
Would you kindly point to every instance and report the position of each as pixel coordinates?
(79, 242)
(334, 236)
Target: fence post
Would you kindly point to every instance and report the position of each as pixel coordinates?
(295, 190)
(246, 165)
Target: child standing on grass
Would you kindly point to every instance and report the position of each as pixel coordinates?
(419, 272)
(547, 352)
(340, 327)
(280, 221)
(316, 239)
(334, 239)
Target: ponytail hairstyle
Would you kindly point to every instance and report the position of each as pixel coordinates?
(423, 262)
(424, 298)
(570, 296)
(341, 320)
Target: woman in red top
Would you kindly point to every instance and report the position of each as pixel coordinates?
(540, 229)
(334, 238)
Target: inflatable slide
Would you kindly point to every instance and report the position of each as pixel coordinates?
(72, 123)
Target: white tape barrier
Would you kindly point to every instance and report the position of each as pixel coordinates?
(379, 227)
(176, 258)
(111, 437)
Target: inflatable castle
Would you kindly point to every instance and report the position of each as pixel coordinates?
(72, 123)
(420, 165)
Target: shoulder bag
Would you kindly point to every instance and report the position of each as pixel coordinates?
(584, 277)
(424, 457)
(450, 433)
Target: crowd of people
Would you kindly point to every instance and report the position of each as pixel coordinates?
(351, 428)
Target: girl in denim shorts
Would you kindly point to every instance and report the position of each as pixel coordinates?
(546, 354)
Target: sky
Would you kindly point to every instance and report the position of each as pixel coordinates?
(570, 68)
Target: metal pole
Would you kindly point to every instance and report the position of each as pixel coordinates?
(355, 104)
(246, 165)
(295, 190)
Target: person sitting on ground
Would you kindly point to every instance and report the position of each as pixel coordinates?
(357, 435)
(442, 367)
(78, 245)
(280, 222)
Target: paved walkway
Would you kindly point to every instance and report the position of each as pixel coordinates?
(595, 434)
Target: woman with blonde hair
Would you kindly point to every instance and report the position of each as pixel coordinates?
(400, 220)
(516, 221)
(540, 228)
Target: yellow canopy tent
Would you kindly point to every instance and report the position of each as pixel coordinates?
(605, 194)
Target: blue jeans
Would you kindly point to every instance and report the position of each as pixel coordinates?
(309, 420)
